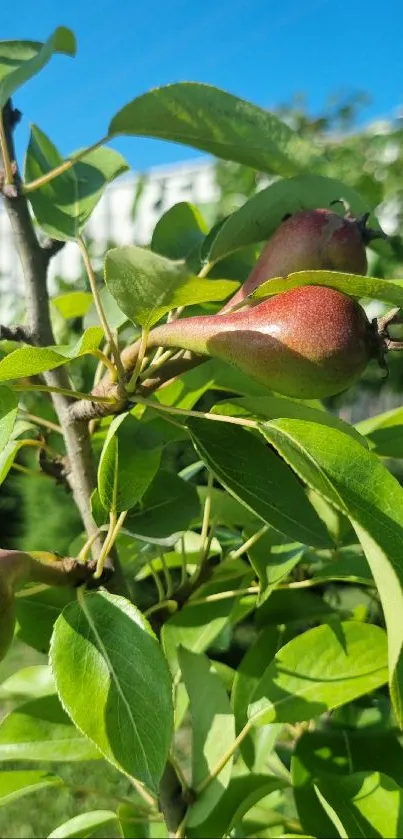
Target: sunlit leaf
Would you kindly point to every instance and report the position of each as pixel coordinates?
(103, 647)
(29, 361)
(217, 122)
(319, 670)
(63, 206)
(146, 285)
(20, 60)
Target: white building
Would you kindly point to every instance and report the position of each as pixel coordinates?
(113, 220)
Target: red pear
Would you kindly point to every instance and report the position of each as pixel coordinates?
(309, 342)
(310, 240)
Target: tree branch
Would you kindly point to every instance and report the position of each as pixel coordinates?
(15, 333)
(51, 247)
(34, 260)
(19, 568)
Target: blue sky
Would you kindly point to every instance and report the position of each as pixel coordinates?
(261, 50)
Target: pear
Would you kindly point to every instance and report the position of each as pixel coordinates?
(309, 342)
(311, 240)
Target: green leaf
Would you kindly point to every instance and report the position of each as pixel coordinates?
(271, 407)
(197, 625)
(337, 524)
(146, 285)
(36, 613)
(8, 414)
(258, 478)
(333, 753)
(113, 314)
(262, 214)
(7, 457)
(30, 682)
(391, 291)
(247, 678)
(21, 427)
(319, 670)
(365, 804)
(16, 784)
(227, 510)
(74, 304)
(134, 826)
(20, 60)
(214, 121)
(224, 376)
(185, 391)
(29, 361)
(105, 657)
(356, 482)
(89, 826)
(179, 231)
(273, 560)
(63, 206)
(349, 566)
(168, 506)
(242, 793)
(336, 753)
(129, 461)
(213, 731)
(41, 730)
(384, 433)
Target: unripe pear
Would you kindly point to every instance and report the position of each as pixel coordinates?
(310, 240)
(309, 342)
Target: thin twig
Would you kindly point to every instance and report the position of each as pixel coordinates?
(225, 595)
(115, 526)
(65, 391)
(184, 573)
(224, 759)
(158, 584)
(33, 473)
(140, 358)
(249, 542)
(51, 426)
(105, 362)
(83, 554)
(167, 575)
(98, 305)
(100, 365)
(206, 513)
(158, 361)
(201, 414)
(145, 795)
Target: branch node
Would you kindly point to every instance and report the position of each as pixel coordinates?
(51, 247)
(16, 333)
